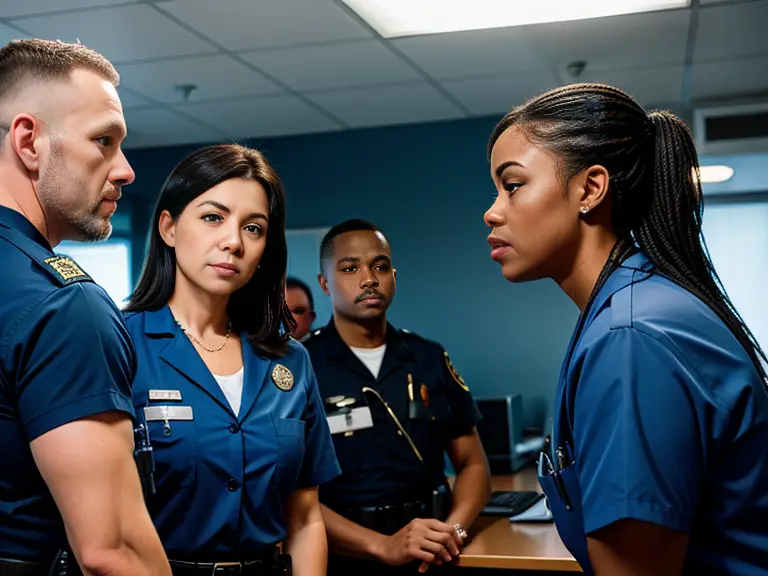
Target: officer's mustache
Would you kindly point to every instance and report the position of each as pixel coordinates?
(368, 294)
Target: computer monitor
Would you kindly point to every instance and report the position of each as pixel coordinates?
(501, 432)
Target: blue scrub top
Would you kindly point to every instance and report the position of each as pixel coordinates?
(64, 355)
(667, 419)
(222, 480)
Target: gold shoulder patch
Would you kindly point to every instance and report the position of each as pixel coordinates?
(454, 373)
(66, 270)
(282, 377)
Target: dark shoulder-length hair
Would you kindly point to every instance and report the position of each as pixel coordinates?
(258, 308)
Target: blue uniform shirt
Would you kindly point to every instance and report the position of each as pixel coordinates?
(64, 355)
(222, 479)
(378, 466)
(668, 423)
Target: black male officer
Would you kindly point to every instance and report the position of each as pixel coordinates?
(66, 360)
(395, 403)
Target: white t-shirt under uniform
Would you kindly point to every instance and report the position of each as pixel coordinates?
(371, 357)
(232, 386)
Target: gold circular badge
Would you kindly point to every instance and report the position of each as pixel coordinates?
(282, 377)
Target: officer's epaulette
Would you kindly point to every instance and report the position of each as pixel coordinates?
(64, 270)
(312, 334)
(408, 333)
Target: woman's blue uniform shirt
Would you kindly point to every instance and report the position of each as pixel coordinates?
(222, 480)
(64, 355)
(668, 422)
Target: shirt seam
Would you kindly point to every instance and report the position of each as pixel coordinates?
(679, 355)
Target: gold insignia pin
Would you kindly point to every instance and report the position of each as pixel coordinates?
(65, 267)
(424, 391)
(282, 377)
(454, 373)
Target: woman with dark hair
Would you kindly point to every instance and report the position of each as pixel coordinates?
(657, 462)
(231, 401)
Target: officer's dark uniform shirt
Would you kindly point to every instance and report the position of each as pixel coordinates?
(64, 355)
(223, 478)
(379, 466)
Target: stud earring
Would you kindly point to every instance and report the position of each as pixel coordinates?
(584, 209)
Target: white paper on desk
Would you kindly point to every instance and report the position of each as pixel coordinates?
(539, 512)
(356, 419)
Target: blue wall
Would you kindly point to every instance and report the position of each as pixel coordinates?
(427, 186)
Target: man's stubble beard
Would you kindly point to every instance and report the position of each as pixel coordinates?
(62, 196)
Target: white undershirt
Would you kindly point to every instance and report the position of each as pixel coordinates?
(371, 357)
(232, 386)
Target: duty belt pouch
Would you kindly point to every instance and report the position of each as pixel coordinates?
(442, 500)
(282, 567)
(64, 564)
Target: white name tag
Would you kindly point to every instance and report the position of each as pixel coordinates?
(165, 395)
(357, 419)
(166, 413)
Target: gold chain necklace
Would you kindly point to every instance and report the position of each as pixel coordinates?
(203, 346)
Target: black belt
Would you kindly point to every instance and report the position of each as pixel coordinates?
(62, 564)
(386, 519)
(271, 563)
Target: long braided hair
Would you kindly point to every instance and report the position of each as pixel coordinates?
(654, 182)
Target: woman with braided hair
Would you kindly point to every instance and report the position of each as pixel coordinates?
(657, 463)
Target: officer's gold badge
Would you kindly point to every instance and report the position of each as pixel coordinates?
(282, 377)
(456, 376)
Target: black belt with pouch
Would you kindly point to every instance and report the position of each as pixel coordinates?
(392, 517)
(63, 564)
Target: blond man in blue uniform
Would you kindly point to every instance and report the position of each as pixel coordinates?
(66, 361)
(237, 425)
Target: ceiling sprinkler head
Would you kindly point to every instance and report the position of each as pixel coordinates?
(576, 68)
(186, 90)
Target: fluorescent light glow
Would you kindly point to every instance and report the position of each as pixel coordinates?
(392, 18)
(715, 174)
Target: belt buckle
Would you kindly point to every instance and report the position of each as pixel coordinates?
(224, 568)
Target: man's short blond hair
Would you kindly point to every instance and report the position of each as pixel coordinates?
(46, 60)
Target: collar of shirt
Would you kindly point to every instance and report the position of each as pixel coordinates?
(17, 221)
(395, 342)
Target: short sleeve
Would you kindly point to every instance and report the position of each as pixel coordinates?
(636, 434)
(73, 358)
(320, 464)
(463, 408)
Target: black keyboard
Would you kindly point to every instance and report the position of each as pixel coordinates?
(511, 503)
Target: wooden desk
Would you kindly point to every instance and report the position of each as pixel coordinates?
(498, 543)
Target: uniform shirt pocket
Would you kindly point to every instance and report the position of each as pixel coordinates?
(291, 434)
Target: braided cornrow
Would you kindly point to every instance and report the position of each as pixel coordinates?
(654, 180)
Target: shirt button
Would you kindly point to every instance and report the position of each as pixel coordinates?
(233, 485)
(234, 428)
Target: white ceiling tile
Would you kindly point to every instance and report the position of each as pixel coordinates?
(245, 24)
(734, 78)
(388, 105)
(334, 66)
(123, 33)
(463, 54)
(649, 86)
(131, 100)
(729, 31)
(149, 127)
(265, 116)
(214, 76)
(499, 94)
(633, 40)
(9, 9)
